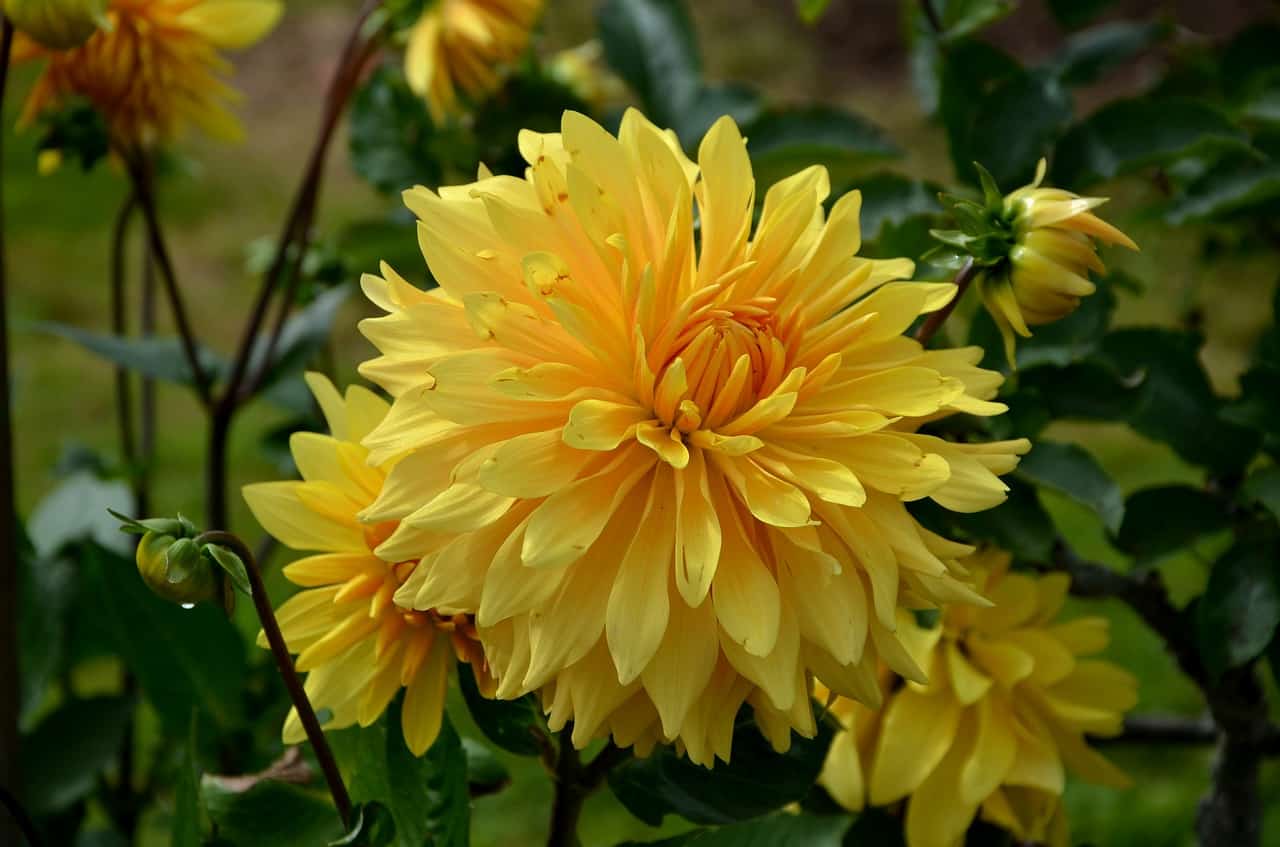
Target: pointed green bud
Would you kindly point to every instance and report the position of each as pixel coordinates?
(175, 568)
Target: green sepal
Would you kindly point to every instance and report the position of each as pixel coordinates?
(231, 565)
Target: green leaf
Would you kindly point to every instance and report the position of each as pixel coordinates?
(46, 588)
(756, 781)
(1019, 525)
(446, 798)
(301, 337)
(1167, 519)
(486, 774)
(1263, 487)
(784, 141)
(965, 17)
(709, 104)
(811, 10)
(69, 748)
(1238, 614)
(1231, 189)
(1071, 470)
(889, 199)
(1061, 343)
(77, 511)
(186, 802)
(183, 659)
(231, 565)
(1127, 135)
(1087, 55)
(391, 134)
(371, 826)
(1073, 14)
(780, 830)
(651, 45)
(271, 814)
(512, 725)
(157, 358)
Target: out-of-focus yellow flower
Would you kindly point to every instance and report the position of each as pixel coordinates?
(583, 71)
(153, 69)
(668, 471)
(1004, 715)
(460, 47)
(357, 646)
(1048, 265)
(56, 24)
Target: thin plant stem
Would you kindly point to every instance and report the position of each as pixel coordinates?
(574, 783)
(284, 662)
(147, 405)
(964, 278)
(10, 688)
(120, 328)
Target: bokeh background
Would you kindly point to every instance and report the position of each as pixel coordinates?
(218, 200)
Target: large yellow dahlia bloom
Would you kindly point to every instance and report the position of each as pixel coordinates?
(459, 47)
(665, 459)
(357, 647)
(154, 69)
(1009, 701)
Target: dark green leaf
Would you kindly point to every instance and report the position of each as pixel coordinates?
(1130, 134)
(1071, 470)
(782, 142)
(532, 99)
(965, 17)
(1237, 616)
(781, 830)
(271, 814)
(302, 335)
(371, 826)
(756, 781)
(811, 10)
(77, 511)
(513, 725)
(393, 239)
(876, 828)
(651, 45)
(158, 358)
(231, 565)
(486, 774)
(1019, 525)
(46, 588)
(1168, 519)
(186, 803)
(708, 105)
(1062, 343)
(1073, 14)
(1089, 54)
(446, 798)
(63, 756)
(77, 131)
(182, 658)
(1263, 487)
(391, 134)
(891, 199)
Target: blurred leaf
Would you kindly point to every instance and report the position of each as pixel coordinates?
(811, 10)
(46, 587)
(77, 511)
(889, 198)
(1171, 398)
(532, 99)
(782, 142)
(186, 802)
(391, 239)
(445, 795)
(304, 333)
(486, 774)
(1019, 525)
(1238, 614)
(1126, 135)
(271, 814)
(1072, 470)
(651, 45)
(1167, 519)
(1073, 14)
(1087, 55)
(965, 17)
(76, 131)
(709, 104)
(513, 725)
(1066, 342)
(1231, 188)
(371, 826)
(1263, 486)
(390, 134)
(69, 748)
(876, 827)
(182, 658)
(780, 830)
(231, 566)
(755, 782)
(158, 358)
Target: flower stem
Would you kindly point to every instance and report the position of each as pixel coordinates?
(964, 277)
(119, 328)
(574, 784)
(284, 662)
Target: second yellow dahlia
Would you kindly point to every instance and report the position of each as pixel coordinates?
(661, 455)
(1010, 699)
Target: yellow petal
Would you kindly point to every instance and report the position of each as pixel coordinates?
(232, 24)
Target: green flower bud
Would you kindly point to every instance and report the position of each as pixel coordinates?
(176, 569)
(57, 24)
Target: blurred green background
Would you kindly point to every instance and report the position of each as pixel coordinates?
(218, 199)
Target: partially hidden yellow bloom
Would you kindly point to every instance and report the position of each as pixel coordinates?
(357, 647)
(583, 71)
(56, 24)
(1004, 715)
(1049, 263)
(459, 47)
(153, 69)
(665, 462)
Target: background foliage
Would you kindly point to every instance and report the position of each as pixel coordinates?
(1154, 408)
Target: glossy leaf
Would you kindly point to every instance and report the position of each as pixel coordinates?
(782, 142)
(486, 774)
(1240, 609)
(1020, 524)
(68, 750)
(512, 725)
(391, 134)
(1088, 55)
(1230, 190)
(780, 830)
(157, 358)
(1166, 519)
(271, 814)
(755, 782)
(1069, 469)
(965, 17)
(889, 199)
(1263, 487)
(651, 45)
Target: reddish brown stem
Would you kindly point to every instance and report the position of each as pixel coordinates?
(964, 277)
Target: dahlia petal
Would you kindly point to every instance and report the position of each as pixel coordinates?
(745, 594)
(423, 711)
(277, 507)
(575, 619)
(937, 816)
(771, 500)
(232, 24)
(911, 391)
(725, 197)
(969, 683)
(682, 666)
(831, 607)
(829, 480)
(1037, 764)
(330, 402)
(331, 568)
(511, 586)
(1083, 636)
(532, 465)
(775, 673)
(842, 773)
(462, 507)
(918, 731)
(993, 753)
(636, 619)
(1007, 663)
(698, 534)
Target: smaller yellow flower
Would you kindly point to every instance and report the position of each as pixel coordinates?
(153, 69)
(357, 647)
(461, 46)
(1004, 715)
(583, 71)
(57, 24)
(1048, 265)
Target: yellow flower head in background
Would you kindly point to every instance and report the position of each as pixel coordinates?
(1049, 263)
(153, 69)
(458, 47)
(668, 471)
(56, 24)
(357, 647)
(1003, 717)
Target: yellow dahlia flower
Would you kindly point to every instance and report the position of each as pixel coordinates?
(357, 647)
(460, 46)
(1003, 716)
(57, 24)
(154, 68)
(665, 462)
(1048, 266)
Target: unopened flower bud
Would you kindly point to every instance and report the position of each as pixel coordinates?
(57, 24)
(176, 569)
